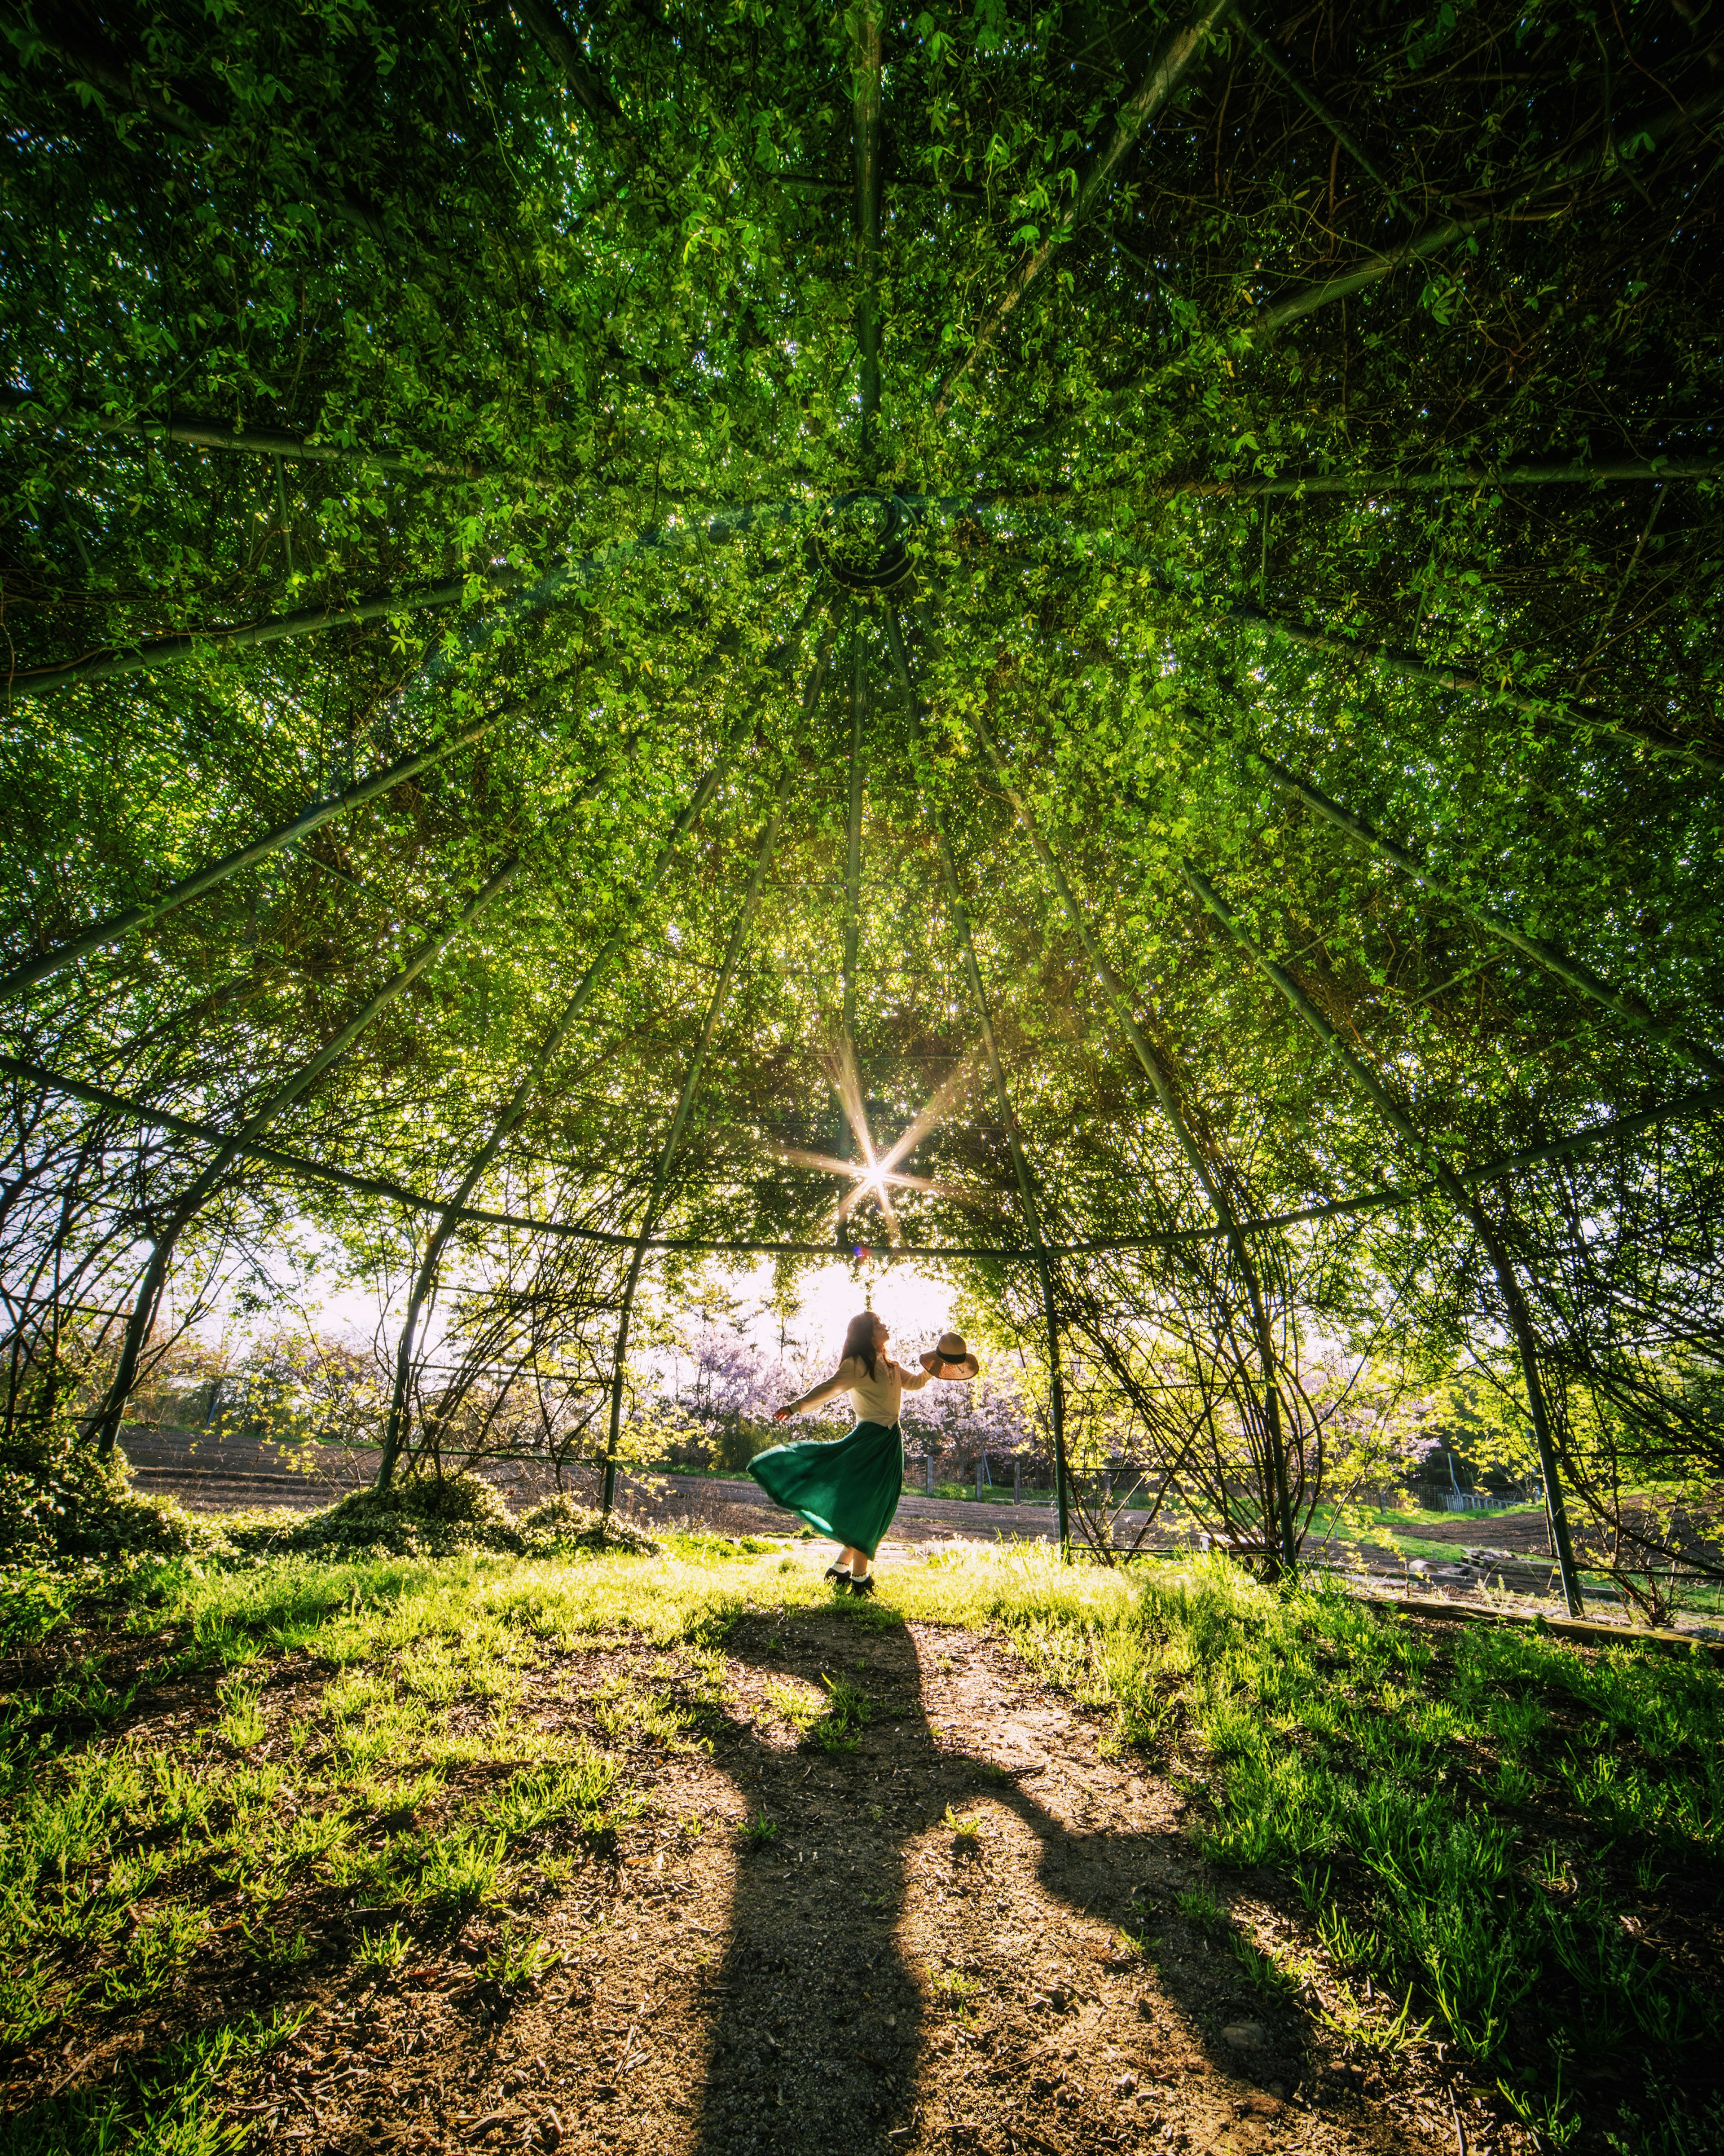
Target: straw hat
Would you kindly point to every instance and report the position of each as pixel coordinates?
(951, 1358)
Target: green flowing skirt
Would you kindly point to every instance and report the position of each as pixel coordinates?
(847, 1488)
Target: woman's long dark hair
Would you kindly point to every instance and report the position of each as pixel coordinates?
(858, 1342)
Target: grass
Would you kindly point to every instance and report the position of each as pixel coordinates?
(1396, 1530)
(1425, 1801)
(1512, 1840)
(517, 1961)
(1416, 1515)
(992, 1493)
(828, 1720)
(951, 1986)
(839, 1725)
(1448, 1791)
(174, 2107)
(384, 1951)
(1202, 1911)
(575, 1793)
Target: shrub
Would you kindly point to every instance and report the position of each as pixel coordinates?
(734, 1446)
(58, 1499)
(421, 1515)
(437, 1515)
(561, 1523)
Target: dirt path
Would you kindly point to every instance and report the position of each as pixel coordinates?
(874, 1977)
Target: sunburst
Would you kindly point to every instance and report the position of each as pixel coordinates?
(876, 1174)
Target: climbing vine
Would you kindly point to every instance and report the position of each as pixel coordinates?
(447, 443)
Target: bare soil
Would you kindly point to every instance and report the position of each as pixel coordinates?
(1526, 1534)
(719, 1995)
(872, 1978)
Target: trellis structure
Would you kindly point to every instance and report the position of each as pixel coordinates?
(601, 614)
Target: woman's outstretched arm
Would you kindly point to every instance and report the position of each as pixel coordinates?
(914, 1380)
(825, 1390)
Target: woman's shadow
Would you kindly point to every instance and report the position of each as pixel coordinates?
(816, 2041)
(819, 2031)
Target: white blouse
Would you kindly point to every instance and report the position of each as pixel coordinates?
(876, 1398)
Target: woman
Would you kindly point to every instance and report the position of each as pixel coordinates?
(848, 1488)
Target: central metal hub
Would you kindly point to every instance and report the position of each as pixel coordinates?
(860, 541)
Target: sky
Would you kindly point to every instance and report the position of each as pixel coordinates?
(915, 1304)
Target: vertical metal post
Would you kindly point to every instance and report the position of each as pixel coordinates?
(1020, 1166)
(105, 1426)
(281, 516)
(1279, 1491)
(1056, 1389)
(395, 1430)
(1520, 1315)
(853, 850)
(1263, 566)
(846, 1142)
(678, 1121)
(1556, 1509)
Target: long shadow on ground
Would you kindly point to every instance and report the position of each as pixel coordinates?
(889, 1981)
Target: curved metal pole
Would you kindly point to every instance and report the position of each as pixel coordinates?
(1313, 104)
(396, 1430)
(299, 827)
(104, 1425)
(151, 651)
(642, 1240)
(685, 1101)
(1404, 665)
(1280, 1482)
(853, 846)
(1581, 978)
(1020, 1166)
(1706, 1102)
(311, 820)
(589, 85)
(847, 1134)
(1455, 1192)
(1152, 93)
(83, 423)
(517, 590)
(867, 212)
(1554, 173)
(1457, 479)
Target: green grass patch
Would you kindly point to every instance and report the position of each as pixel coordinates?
(177, 2104)
(574, 1795)
(1486, 1828)
(1425, 1798)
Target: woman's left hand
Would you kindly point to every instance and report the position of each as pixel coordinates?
(781, 1414)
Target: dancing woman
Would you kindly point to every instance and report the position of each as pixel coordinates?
(849, 1487)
